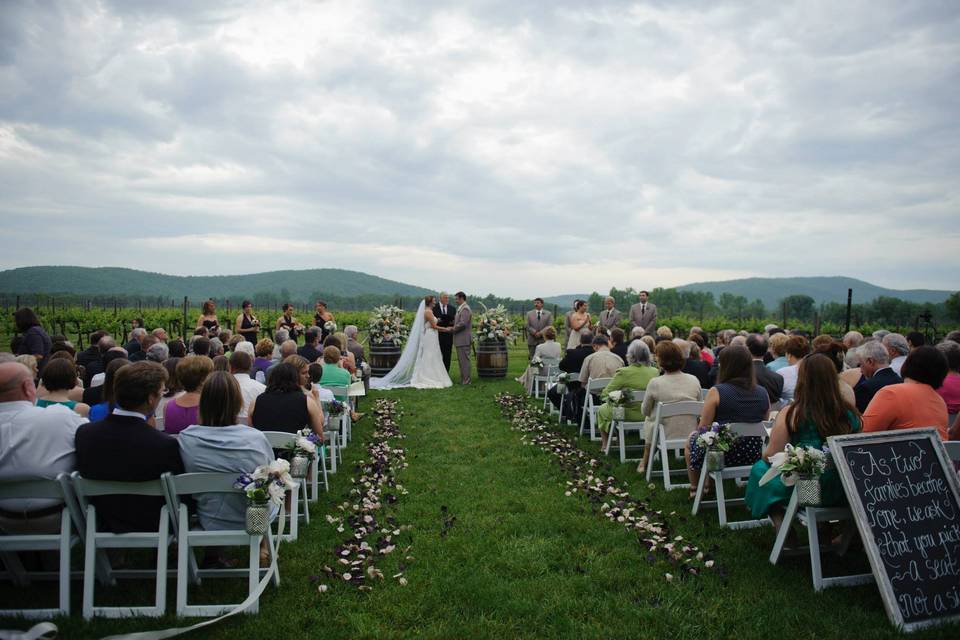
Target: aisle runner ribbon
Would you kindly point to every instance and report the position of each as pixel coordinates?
(48, 630)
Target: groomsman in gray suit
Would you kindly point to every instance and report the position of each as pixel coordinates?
(609, 317)
(463, 335)
(537, 321)
(644, 314)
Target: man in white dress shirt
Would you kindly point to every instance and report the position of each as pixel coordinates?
(240, 364)
(37, 443)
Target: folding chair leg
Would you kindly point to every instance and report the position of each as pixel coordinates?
(623, 444)
(88, 564)
(721, 499)
(784, 529)
(305, 500)
(813, 536)
(253, 575)
(65, 563)
(700, 487)
(652, 455)
(323, 469)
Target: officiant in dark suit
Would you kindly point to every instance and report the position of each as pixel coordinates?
(445, 314)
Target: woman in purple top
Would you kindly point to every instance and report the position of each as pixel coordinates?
(183, 410)
(264, 359)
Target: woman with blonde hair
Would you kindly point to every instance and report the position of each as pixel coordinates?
(208, 319)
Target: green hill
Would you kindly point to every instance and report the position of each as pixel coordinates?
(821, 289)
(301, 285)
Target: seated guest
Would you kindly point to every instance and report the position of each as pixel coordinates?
(673, 386)
(769, 380)
(915, 403)
(182, 411)
(796, 349)
(145, 343)
(618, 343)
(173, 390)
(233, 343)
(817, 412)
(221, 363)
(200, 346)
(287, 348)
(572, 362)
(915, 339)
(240, 364)
(136, 337)
(634, 377)
(692, 363)
(114, 353)
(89, 358)
(284, 406)
(701, 346)
(333, 374)
(177, 348)
(851, 341)
(221, 443)
(124, 447)
(225, 337)
(216, 348)
(339, 340)
(303, 372)
(30, 362)
(602, 363)
(319, 393)
(875, 366)
(950, 389)
(59, 379)
(664, 333)
(898, 348)
(158, 352)
(834, 351)
(309, 349)
(107, 399)
(38, 443)
(353, 346)
(161, 334)
(280, 337)
(735, 398)
(821, 340)
(263, 360)
(777, 345)
(550, 349)
(246, 347)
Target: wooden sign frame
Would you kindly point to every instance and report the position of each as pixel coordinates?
(838, 445)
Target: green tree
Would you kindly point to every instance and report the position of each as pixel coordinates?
(952, 305)
(799, 307)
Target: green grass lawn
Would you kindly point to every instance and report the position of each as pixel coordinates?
(499, 551)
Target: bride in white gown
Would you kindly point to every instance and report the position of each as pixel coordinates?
(421, 364)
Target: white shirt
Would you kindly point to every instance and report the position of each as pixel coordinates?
(325, 394)
(36, 443)
(789, 375)
(97, 380)
(250, 389)
(897, 364)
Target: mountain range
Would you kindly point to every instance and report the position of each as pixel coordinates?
(303, 285)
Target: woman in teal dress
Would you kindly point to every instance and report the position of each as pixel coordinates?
(817, 412)
(59, 378)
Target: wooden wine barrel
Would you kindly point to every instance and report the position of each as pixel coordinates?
(492, 359)
(383, 358)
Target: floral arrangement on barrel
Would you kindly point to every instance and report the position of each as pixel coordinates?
(618, 400)
(800, 467)
(494, 323)
(386, 325)
(716, 439)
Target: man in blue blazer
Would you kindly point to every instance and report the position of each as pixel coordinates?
(875, 366)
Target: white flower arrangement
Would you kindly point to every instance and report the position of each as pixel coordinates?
(617, 398)
(718, 437)
(386, 325)
(494, 323)
(267, 482)
(793, 462)
(536, 362)
(305, 443)
(330, 326)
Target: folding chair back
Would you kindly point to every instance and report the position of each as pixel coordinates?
(739, 474)
(284, 440)
(194, 484)
(594, 386)
(63, 541)
(95, 541)
(332, 430)
(547, 374)
(662, 443)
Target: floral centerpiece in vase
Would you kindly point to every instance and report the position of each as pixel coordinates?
(265, 486)
(800, 467)
(618, 400)
(303, 450)
(494, 324)
(717, 440)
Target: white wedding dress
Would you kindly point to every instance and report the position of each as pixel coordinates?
(420, 365)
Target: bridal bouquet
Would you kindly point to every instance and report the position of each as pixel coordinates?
(386, 325)
(494, 324)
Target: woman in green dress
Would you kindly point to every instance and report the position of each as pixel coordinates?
(633, 377)
(817, 412)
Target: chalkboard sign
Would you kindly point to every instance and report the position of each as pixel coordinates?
(905, 497)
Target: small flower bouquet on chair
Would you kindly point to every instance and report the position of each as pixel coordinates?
(799, 467)
(617, 400)
(303, 450)
(265, 486)
(562, 381)
(717, 440)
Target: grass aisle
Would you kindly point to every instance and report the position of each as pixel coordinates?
(500, 552)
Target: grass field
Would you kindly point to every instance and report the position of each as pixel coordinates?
(501, 552)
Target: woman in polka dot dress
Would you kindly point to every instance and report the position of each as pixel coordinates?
(735, 398)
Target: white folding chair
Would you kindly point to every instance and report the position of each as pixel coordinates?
(63, 542)
(332, 428)
(811, 517)
(620, 428)
(953, 450)
(188, 539)
(703, 394)
(589, 411)
(739, 474)
(661, 445)
(95, 541)
(547, 375)
(346, 425)
(951, 420)
(284, 440)
(574, 376)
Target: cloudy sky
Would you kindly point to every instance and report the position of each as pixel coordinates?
(519, 147)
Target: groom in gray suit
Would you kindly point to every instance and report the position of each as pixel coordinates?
(644, 314)
(463, 335)
(537, 321)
